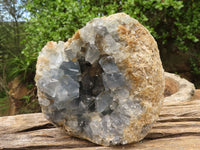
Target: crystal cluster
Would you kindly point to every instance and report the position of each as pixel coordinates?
(105, 84)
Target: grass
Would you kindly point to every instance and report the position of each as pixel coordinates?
(4, 104)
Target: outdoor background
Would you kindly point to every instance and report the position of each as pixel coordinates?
(27, 25)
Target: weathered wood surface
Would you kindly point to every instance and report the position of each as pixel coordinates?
(178, 128)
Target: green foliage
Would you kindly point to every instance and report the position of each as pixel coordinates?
(30, 104)
(58, 20)
(4, 103)
(168, 20)
(27, 99)
(195, 64)
(174, 23)
(12, 32)
(11, 60)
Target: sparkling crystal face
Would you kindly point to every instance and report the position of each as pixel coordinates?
(90, 86)
(92, 82)
(85, 84)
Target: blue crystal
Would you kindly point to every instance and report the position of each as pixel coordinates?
(103, 101)
(92, 54)
(113, 81)
(71, 68)
(108, 64)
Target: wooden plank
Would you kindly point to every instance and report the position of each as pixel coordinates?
(177, 128)
(52, 137)
(12, 124)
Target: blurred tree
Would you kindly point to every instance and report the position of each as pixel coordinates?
(11, 21)
(11, 34)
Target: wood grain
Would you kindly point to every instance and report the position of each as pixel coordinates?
(178, 128)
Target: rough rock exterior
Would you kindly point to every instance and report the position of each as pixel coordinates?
(179, 89)
(105, 84)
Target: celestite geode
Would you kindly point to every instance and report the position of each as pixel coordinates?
(105, 84)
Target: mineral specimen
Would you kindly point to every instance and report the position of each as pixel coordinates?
(105, 84)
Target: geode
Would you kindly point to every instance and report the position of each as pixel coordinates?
(105, 84)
